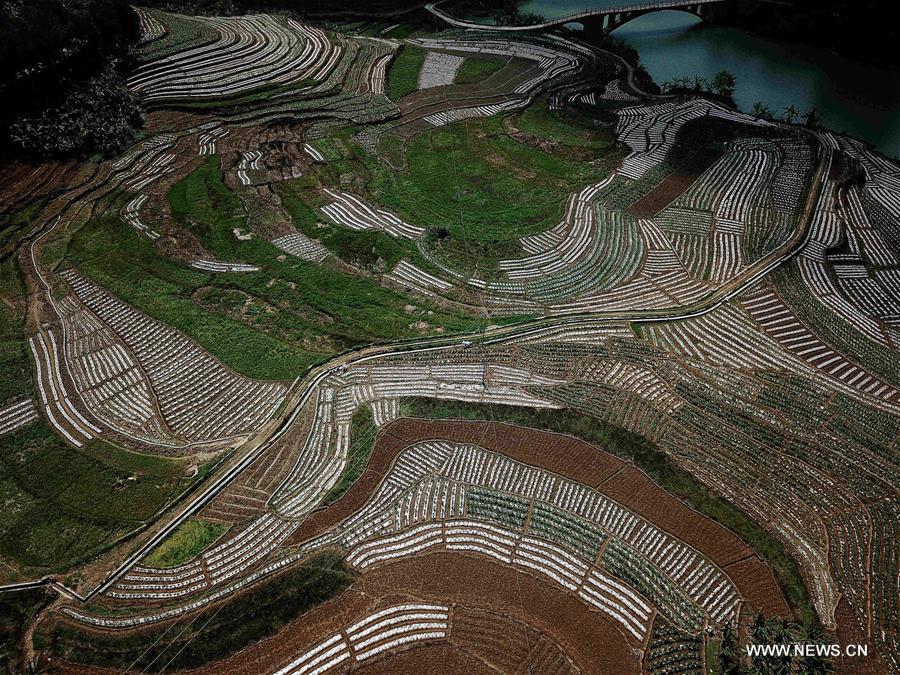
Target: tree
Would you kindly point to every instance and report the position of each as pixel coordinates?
(791, 113)
(761, 110)
(724, 82)
(728, 651)
(813, 665)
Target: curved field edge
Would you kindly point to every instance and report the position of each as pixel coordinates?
(217, 632)
(643, 454)
(403, 72)
(272, 324)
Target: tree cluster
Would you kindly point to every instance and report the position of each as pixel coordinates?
(733, 660)
(62, 79)
(722, 84)
(791, 114)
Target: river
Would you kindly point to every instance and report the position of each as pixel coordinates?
(850, 97)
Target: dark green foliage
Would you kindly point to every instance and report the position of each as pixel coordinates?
(772, 631)
(722, 85)
(61, 80)
(218, 632)
(728, 658)
(576, 533)
(64, 505)
(513, 16)
(16, 609)
(15, 362)
(403, 73)
(97, 116)
(497, 507)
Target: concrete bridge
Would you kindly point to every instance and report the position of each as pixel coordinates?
(599, 20)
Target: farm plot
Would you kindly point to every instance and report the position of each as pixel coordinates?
(305, 470)
(430, 64)
(199, 399)
(748, 431)
(249, 53)
(599, 257)
(390, 629)
(324, 454)
(846, 241)
(109, 377)
(439, 69)
(485, 624)
(830, 445)
(343, 83)
(64, 505)
(141, 166)
(467, 499)
(552, 62)
(17, 415)
(58, 406)
(486, 634)
(238, 554)
(777, 320)
(151, 27)
(650, 131)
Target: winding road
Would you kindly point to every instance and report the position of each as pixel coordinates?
(305, 387)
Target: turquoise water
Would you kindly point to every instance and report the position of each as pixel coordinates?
(850, 97)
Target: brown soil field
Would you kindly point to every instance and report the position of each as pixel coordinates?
(563, 634)
(667, 191)
(849, 633)
(444, 657)
(577, 460)
(161, 121)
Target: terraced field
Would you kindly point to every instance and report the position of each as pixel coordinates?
(371, 306)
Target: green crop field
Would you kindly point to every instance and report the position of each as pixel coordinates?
(270, 324)
(190, 539)
(63, 505)
(474, 70)
(362, 440)
(481, 187)
(403, 73)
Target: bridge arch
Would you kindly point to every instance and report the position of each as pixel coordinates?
(607, 23)
(599, 20)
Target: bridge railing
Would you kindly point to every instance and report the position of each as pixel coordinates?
(571, 18)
